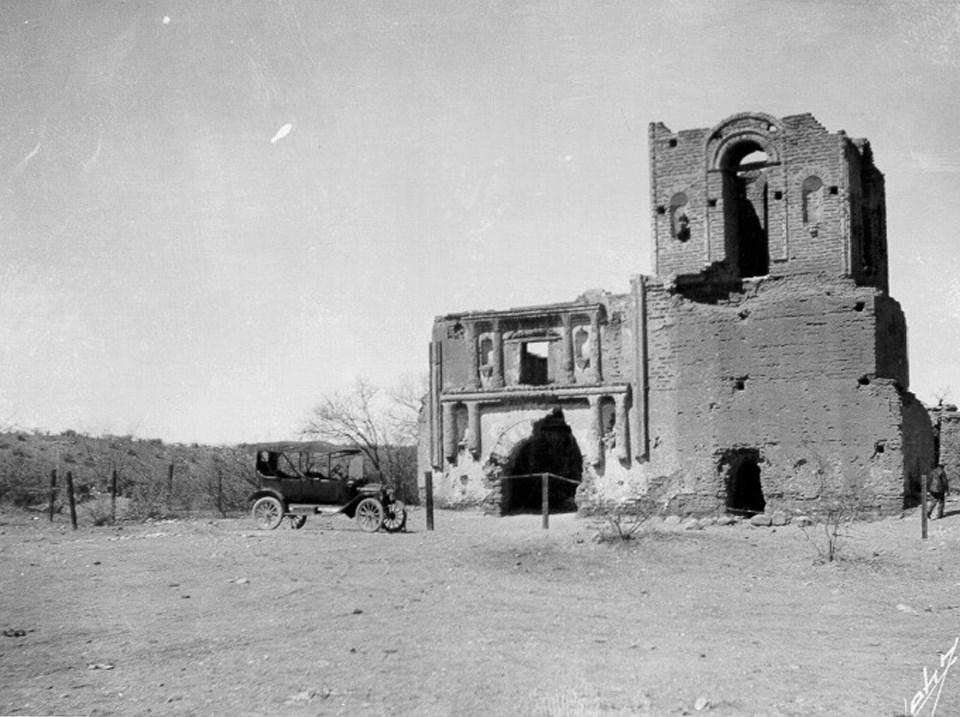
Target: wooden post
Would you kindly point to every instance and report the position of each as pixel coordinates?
(53, 491)
(428, 486)
(923, 506)
(170, 487)
(220, 492)
(113, 497)
(73, 503)
(545, 499)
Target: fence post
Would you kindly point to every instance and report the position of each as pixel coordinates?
(53, 491)
(923, 506)
(170, 488)
(428, 489)
(545, 499)
(113, 497)
(73, 502)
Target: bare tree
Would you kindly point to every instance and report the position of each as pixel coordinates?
(382, 424)
(942, 395)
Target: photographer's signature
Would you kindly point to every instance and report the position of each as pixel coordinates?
(933, 684)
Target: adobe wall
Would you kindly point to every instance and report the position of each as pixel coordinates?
(766, 345)
(790, 369)
(473, 481)
(946, 422)
(833, 230)
(810, 375)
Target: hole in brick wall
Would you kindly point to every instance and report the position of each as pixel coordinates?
(742, 479)
(859, 306)
(778, 195)
(711, 202)
(661, 209)
(834, 189)
(673, 143)
(864, 380)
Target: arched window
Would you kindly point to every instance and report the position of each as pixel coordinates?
(746, 208)
(679, 219)
(812, 193)
(486, 351)
(581, 346)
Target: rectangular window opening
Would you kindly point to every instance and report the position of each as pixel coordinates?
(535, 363)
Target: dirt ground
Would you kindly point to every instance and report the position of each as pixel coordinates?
(484, 616)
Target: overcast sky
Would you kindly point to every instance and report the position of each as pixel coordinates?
(213, 212)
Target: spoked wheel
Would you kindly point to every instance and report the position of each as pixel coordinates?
(297, 521)
(369, 515)
(395, 517)
(267, 512)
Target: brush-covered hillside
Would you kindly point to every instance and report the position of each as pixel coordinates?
(154, 479)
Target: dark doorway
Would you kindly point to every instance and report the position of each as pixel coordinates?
(551, 449)
(746, 202)
(744, 492)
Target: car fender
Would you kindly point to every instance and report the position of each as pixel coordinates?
(263, 492)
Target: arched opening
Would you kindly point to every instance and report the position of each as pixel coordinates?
(550, 449)
(679, 218)
(746, 208)
(742, 478)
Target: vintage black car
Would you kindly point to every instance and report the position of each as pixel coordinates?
(298, 479)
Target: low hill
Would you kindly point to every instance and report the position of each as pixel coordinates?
(158, 478)
(154, 478)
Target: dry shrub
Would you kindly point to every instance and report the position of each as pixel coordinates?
(619, 527)
(832, 517)
(99, 510)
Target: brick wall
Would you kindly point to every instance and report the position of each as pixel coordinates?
(803, 369)
(791, 369)
(799, 148)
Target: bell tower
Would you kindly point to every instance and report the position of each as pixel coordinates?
(759, 196)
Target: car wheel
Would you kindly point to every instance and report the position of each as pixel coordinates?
(297, 521)
(395, 517)
(369, 515)
(267, 512)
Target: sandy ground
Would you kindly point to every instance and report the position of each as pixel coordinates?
(484, 616)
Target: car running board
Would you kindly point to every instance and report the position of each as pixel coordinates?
(309, 509)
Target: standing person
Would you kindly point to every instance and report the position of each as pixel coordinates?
(938, 487)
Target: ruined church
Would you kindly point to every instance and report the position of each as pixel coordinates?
(762, 366)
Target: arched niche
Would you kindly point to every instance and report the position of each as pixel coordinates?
(811, 193)
(679, 217)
